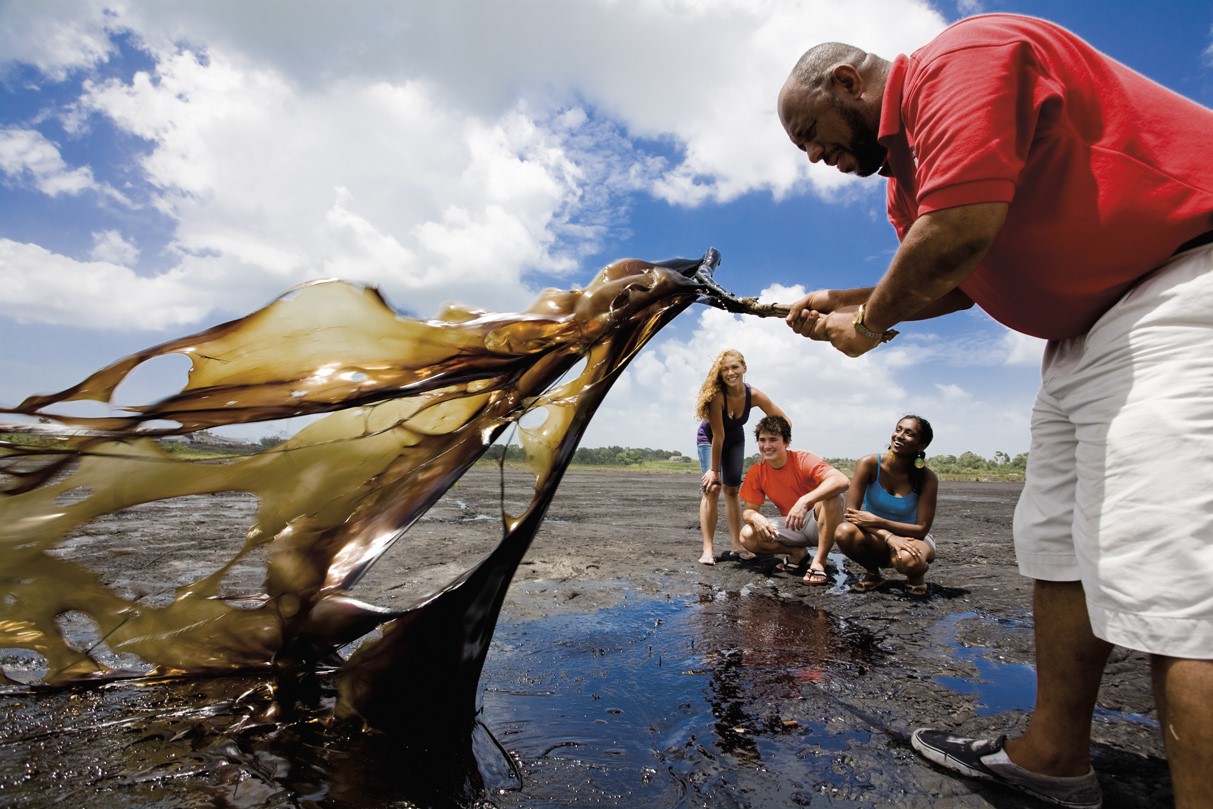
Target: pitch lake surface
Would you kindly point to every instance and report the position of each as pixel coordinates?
(719, 687)
(652, 703)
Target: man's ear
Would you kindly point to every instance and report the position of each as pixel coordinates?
(848, 79)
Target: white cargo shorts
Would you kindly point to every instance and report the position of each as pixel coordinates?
(1119, 488)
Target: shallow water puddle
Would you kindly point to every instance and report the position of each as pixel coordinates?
(999, 685)
(651, 703)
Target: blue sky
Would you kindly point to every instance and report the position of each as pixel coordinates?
(165, 166)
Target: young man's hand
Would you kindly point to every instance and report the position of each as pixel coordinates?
(797, 516)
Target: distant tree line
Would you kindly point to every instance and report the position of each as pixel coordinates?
(972, 462)
(965, 465)
(600, 456)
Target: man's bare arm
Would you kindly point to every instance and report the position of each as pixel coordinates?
(954, 301)
(825, 301)
(937, 254)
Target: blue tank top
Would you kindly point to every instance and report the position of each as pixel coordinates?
(890, 506)
(734, 429)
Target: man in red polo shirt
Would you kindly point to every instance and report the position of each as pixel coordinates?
(1071, 199)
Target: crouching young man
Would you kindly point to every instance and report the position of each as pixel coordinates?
(806, 490)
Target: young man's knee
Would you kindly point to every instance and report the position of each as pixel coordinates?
(829, 509)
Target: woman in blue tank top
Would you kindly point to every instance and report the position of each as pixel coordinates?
(890, 508)
(723, 408)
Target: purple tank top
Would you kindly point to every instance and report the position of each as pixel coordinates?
(734, 429)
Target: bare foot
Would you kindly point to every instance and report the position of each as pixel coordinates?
(707, 559)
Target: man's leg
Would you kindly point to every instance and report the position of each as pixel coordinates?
(1052, 759)
(795, 550)
(756, 544)
(1183, 693)
(1149, 352)
(1069, 665)
(828, 514)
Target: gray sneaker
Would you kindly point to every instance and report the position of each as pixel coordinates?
(985, 759)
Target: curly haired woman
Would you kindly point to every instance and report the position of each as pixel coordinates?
(723, 407)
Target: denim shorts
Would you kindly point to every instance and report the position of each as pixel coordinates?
(732, 457)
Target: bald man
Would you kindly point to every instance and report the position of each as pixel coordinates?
(1071, 199)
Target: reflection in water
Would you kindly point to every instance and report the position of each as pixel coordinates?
(668, 704)
(1000, 685)
(786, 647)
(411, 405)
(651, 703)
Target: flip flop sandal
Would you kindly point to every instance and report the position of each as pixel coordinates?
(798, 568)
(868, 585)
(816, 578)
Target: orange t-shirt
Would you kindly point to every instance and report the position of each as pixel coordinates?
(803, 473)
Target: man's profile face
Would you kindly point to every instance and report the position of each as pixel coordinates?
(828, 129)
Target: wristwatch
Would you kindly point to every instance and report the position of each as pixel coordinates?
(857, 322)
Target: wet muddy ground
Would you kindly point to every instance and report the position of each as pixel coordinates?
(623, 673)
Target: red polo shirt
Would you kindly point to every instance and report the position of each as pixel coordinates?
(1106, 172)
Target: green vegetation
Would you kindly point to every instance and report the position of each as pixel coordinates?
(197, 452)
(181, 449)
(966, 466)
(634, 460)
(27, 439)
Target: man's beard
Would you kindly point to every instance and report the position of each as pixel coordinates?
(869, 154)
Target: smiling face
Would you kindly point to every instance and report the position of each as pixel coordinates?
(773, 448)
(732, 370)
(908, 438)
(832, 123)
